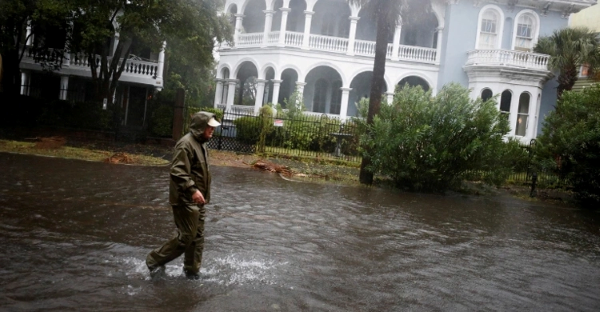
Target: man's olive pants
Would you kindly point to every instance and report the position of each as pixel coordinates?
(189, 240)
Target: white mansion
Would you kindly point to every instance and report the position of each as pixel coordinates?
(325, 50)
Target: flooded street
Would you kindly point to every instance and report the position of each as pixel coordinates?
(75, 235)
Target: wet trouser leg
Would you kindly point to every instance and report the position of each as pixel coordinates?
(189, 220)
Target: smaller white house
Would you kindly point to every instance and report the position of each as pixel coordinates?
(143, 74)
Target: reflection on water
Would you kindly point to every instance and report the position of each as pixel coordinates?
(75, 235)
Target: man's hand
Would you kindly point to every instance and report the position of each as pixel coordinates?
(198, 198)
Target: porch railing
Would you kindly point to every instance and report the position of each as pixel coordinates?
(273, 37)
(294, 39)
(498, 57)
(365, 48)
(250, 40)
(133, 67)
(417, 53)
(328, 43)
(335, 45)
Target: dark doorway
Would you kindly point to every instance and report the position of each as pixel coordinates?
(136, 108)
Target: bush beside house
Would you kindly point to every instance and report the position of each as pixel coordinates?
(570, 143)
(430, 143)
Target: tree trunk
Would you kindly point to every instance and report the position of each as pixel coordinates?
(566, 80)
(377, 81)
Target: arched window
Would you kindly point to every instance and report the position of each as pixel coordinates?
(490, 26)
(505, 100)
(336, 97)
(320, 96)
(523, 114)
(486, 94)
(526, 31)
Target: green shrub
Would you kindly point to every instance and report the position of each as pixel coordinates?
(570, 143)
(322, 140)
(266, 126)
(428, 143)
(247, 129)
(161, 121)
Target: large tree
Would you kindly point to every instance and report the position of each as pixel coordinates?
(89, 25)
(41, 18)
(386, 13)
(569, 49)
(144, 23)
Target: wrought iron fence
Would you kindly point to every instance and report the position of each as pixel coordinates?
(323, 137)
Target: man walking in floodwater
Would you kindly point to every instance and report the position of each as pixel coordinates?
(189, 191)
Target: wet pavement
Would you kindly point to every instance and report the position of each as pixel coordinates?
(75, 234)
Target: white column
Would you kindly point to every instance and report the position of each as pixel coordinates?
(283, 27)
(238, 27)
(25, 82)
(307, 22)
(538, 104)
(231, 92)
(268, 25)
(345, 99)
(352, 35)
(64, 86)
(223, 95)
(66, 59)
(532, 118)
(29, 41)
(390, 97)
(218, 92)
(440, 37)
(260, 94)
(161, 64)
(396, 42)
(276, 86)
(300, 87)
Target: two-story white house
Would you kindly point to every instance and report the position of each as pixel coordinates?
(143, 74)
(325, 50)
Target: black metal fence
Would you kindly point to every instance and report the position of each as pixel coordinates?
(72, 94)
(328, 138)
(303, 135)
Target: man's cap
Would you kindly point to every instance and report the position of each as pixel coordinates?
(213, 122)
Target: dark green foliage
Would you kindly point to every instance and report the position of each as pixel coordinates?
(84, 115)
(161, 120)
(247, 129)
(570, 142)
(569, 49)
(428, 143)
(19, 110)
(266, 126)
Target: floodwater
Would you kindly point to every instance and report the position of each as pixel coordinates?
(75, 235)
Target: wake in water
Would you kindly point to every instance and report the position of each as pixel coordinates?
(225, 271)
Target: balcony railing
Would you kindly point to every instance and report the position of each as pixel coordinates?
(327, 43)
(508, 58)
(133, 67)
(250, 40)
(294, 39)
(335, 45)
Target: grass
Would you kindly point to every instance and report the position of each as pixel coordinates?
(75, 153)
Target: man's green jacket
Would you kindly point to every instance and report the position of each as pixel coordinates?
(189, 167)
